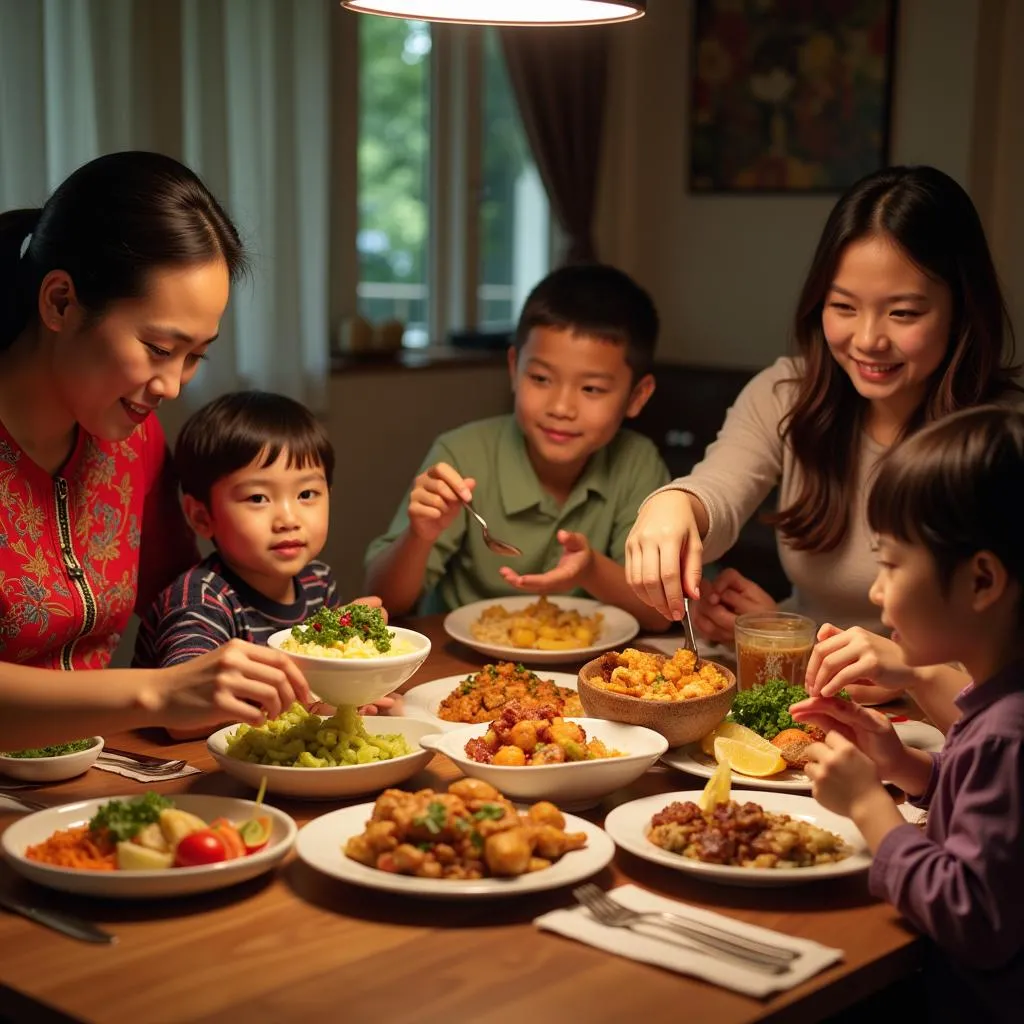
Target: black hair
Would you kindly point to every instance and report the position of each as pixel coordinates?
(108, 225)
(227, 434)
(957, 487)
(597, 300)
(933, 222)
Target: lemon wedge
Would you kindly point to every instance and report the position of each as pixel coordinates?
(735, 731)
(747, 759)
(717, 790)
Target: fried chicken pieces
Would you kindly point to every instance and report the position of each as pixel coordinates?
(472, 831)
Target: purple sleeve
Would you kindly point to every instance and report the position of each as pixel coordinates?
(965, 892)
(925, 799)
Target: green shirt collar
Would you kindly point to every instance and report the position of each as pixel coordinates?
(521, 490)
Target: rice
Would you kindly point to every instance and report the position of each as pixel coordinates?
(354, 647)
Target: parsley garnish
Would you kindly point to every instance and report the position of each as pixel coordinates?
(124, 818)
(765, 708)
(434, 820)
(54, 750)
(331, 626)
(490, 812)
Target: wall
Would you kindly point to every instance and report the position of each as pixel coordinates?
(382, 424)
(725, 270)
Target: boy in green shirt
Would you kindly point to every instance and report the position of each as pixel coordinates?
(558, 478)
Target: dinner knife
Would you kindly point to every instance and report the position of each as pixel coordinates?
(66, 924)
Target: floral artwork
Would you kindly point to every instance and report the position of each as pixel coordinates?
(789, 95)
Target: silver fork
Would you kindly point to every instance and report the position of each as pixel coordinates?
(689, 634)
(28, 805)
(704, 937)
(152, 770)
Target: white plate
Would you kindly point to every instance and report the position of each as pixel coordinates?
(629, 823)
(332, 783)
(35, 828)
(571, 785)
(423, 701)
(321, 845)
(692, 760)
(618, 628)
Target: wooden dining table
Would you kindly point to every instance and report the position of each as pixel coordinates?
(296, 945)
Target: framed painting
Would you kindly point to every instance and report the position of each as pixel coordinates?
(789, 95)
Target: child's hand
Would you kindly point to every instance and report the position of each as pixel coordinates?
(577, 556)
(371, 601)
(841, 775)
(868, 666)
(392, 704)
(729, 594)
(870, 731)
(436, 499)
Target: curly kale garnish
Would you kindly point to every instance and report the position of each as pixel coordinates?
(330, 626)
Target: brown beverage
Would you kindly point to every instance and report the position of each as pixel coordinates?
(772, 645)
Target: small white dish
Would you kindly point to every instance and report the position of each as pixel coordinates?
(628, 824)
(331, 783)
(572, 785)
(692, 760)
(321, 844)
(920, 736)
(424, 700)
(51, 769)
(35, 828)
(617, 628)
(358, 681)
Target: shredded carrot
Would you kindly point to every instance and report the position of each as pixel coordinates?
(76, 848)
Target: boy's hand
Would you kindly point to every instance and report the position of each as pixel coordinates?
(436, 500)
(392, 704)
(577, 556)
(870, 731)
(868, 666)
(729, 594)
(372, 601)
(842, 775)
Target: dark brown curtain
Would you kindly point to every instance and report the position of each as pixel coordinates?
(559, 76)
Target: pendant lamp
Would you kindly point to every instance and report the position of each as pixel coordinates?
(505, 12)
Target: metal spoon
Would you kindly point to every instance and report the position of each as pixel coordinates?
(690, 639)
(499, 547)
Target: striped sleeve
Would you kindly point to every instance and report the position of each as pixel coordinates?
(190, 618)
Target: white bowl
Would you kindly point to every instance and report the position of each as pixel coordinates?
(328, 783)
(51, 769)
(358, 681)
(571, 785)
(35, 828)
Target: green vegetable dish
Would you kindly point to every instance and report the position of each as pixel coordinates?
(333, 627)
(298, 739)
(765, 708)
(54, 750)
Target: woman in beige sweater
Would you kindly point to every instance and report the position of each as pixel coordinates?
(900, 321)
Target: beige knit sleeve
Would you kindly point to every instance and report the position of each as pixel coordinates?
(745, 461)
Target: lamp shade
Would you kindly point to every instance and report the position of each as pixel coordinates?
(505, 12)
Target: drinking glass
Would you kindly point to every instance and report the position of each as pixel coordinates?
(772, 645)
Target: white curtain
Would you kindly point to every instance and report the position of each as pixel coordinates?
(238, 90)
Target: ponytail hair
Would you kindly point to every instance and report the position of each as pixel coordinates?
(109, 225)
(15, 227)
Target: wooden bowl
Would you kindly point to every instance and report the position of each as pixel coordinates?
(680, 722)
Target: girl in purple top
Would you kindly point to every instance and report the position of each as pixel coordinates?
(946, 509)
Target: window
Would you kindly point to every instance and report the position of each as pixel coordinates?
(393, 172)
(453, 222)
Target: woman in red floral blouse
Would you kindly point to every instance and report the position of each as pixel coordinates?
(110, 296)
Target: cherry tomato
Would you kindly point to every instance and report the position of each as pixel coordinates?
(203, 847)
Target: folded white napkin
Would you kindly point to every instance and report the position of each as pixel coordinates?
(671, 953)
(129, 772)
(914, 815)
